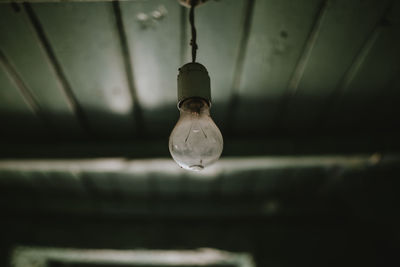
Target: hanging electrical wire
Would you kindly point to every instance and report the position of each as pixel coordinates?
(195, 142)
(193, 29)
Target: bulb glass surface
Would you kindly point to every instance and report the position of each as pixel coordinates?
(195, 142)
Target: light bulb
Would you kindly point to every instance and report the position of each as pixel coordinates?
(196, 141)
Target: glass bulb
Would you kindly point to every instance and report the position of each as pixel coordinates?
(196, 141)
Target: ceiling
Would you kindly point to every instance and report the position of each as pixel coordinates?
(107, 70)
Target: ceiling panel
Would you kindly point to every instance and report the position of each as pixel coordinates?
(27, 56)
(15, 114)
(269, 182)
(55, 184)
(129, 186)
(383, 114)
(232, 183)
(199, 185)
(85, 41)
(161, 186)
(371, 91)
(219, 31)
(278, 33)
(153, 35)
(344, 28)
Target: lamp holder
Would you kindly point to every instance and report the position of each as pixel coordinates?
(193, 82)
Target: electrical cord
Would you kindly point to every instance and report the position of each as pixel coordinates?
(193, 28)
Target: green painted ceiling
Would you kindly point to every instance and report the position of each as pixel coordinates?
(108, 69)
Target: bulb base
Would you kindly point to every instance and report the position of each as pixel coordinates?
(193, 82)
